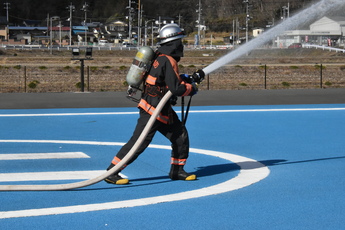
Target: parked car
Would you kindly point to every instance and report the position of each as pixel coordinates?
(103, 42)
(295, 46)
(126, 44)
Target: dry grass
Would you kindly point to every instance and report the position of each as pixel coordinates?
(21, 71)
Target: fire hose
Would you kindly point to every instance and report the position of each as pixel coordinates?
(56, 187)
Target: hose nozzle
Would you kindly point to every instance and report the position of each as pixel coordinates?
(198, 76)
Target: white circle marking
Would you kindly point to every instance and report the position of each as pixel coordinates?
(251, 171)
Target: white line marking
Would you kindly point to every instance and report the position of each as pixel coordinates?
(34, 156)
(191, 111)
(65, 114)
(266, 110)
(49, 176)
(251, 172)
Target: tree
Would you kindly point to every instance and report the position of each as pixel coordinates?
(217, 15)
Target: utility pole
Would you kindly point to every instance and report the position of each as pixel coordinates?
(286, 11)
(85, 9)
(7, 7)
(145, 36)
(237, 30)
(140, 11)
(233, 33)
(51, 19)
(152, 33)
(199, 21)
(159, 23)
(60, 38)
(179, 20)
(247, 17)
(129, 7)
(71, 8)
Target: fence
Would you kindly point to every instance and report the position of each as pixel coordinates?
(110, 78)
(324, 48)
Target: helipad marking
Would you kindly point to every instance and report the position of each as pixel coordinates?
(191, 111)
(251, 172)
(35, 156)
(49, 176)
(65, 114)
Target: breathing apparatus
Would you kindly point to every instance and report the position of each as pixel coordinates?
(140, 66)
(145, 56)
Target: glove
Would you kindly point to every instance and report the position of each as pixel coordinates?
(187, 78)
(173, 100)
(194, 89)
(198, 76)
(131, 91)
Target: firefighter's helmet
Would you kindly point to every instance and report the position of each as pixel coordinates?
(170, 32)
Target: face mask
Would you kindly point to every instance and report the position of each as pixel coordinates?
(173, 48)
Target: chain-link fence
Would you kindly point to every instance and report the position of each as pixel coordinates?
(109, 78)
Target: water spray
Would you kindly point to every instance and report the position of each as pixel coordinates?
(319, 9)
(307, 15)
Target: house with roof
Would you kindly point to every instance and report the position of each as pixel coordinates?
(115, 31)
(3, 28)
(327, 31)
(38, 34)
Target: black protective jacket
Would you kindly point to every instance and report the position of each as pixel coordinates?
(162, 77)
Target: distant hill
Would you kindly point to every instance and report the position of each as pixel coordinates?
(217, 15)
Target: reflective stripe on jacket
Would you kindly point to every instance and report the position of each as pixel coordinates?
(163, 75)
(150, 110)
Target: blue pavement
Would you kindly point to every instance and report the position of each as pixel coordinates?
(301, 146)
(264, 160)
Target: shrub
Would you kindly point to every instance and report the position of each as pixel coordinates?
(93, 68)
(33, 84)
(317, 66)
(285, 84)
(78, 85)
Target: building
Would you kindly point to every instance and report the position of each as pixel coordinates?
(32, 33)
(257, 32)
(36, 35)
(3, 28)
(24, 34)
(115, 31)
(327, 31)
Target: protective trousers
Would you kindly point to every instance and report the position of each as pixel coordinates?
(175, 132)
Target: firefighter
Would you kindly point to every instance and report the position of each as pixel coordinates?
(162, 77)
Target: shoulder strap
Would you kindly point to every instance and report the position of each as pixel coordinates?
(148, 69)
